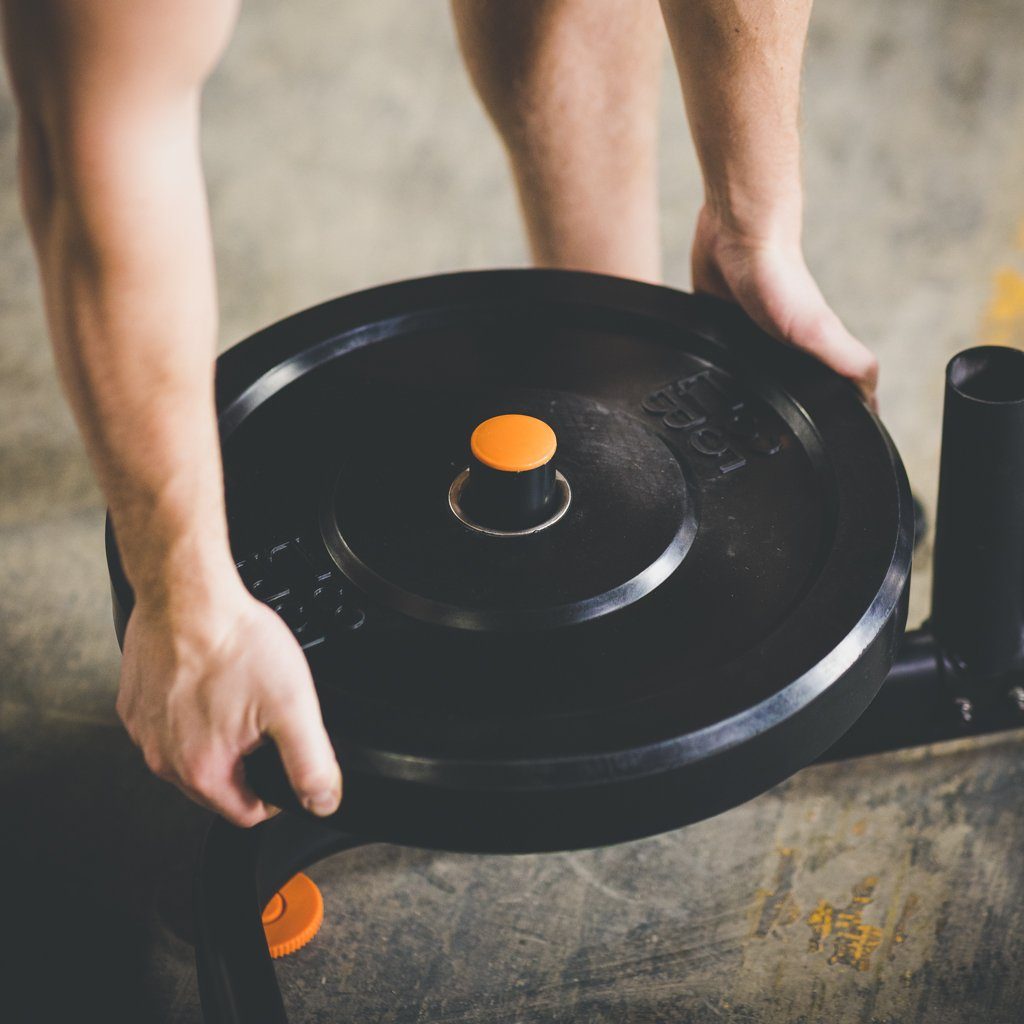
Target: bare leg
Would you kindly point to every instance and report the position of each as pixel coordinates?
(572, 87)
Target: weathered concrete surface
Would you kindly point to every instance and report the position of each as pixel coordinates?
(344, 148)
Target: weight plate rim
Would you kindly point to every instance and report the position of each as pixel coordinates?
(251, 372)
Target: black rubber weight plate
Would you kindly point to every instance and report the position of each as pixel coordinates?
(717, 607)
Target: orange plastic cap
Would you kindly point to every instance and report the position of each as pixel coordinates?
(293, 916)
(513, 443)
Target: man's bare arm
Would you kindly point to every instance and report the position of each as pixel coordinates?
(108, 92)
(572, 87)
(740, 64)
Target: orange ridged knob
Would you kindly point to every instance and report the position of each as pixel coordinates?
(293, 916)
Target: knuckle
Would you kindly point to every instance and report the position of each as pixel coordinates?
(816, 333)
(197, 774)
(289, 690)
(279, 702)
(133, 732)
(247, 818)
(156, 762)
(861, 367)
(871, 368)
(123, 706)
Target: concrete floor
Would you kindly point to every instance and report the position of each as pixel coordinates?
(336, 146)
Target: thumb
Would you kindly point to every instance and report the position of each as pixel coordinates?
(306, 752)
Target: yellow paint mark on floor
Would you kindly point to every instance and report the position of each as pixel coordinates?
(853, 940)
(777, 907)
(1003, 323)
(820, 922)
(839, 932)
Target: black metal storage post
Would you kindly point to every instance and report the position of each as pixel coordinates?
(978, 589)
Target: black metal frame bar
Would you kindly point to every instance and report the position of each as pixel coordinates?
(929, 697)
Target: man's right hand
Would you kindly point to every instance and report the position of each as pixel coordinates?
(204, 681)
(109, 102)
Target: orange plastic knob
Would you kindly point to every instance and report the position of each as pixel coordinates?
(513, 443)
(293, 916)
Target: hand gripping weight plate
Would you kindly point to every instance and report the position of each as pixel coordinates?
(680, 587)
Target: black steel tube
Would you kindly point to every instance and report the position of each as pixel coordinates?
(509, 501)
(923, 700)
(978, 588)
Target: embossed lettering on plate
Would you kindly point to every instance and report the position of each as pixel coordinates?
(719, 419)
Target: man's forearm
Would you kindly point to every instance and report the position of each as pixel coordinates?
(124, 252)
(109, 101)
(739, 64)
